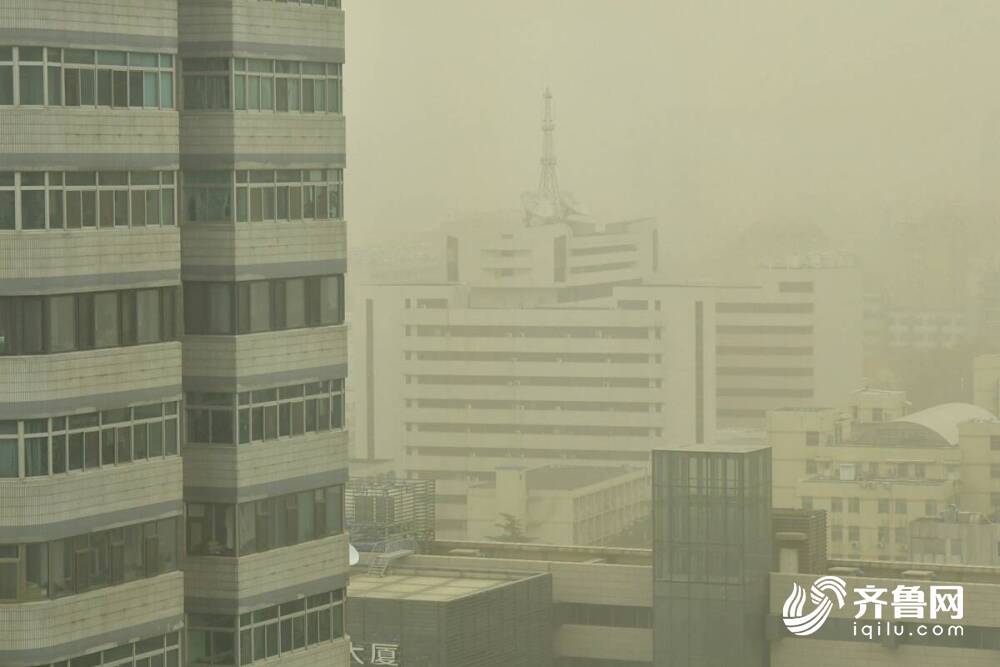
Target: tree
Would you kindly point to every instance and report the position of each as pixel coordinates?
(512, 530)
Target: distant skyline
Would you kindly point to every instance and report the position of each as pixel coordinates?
(708, 115)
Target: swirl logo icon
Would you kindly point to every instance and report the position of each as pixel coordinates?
(820, 594)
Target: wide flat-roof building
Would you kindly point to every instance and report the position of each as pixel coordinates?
(439, 618)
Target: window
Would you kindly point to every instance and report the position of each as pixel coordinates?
(86, 78)
(883, 506)
(854, 533)
(87, 199)
(211, 529)
(930, 508)
(811, 467)
(995, 443)
(206, 84)
(900, 507)
(836, 504)
(161, 651)
(69, 322)
(265, 633)
(208, 196)
(48, 570)
(275, 85)
(812, 438)
(215, 529)
(836, 533)
(266, 305)
(58, 445)
(807, 502)
(289, 194)
(265, 414)
(854, 505)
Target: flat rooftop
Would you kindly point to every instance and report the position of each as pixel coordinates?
(423, 585)
(726, 447)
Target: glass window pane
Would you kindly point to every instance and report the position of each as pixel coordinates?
(61, 319)
(88, 87)
(150, 89)
(107, 204)
(55, 86)
(120, 89)
(121, 208)
(167, 216)
(104, 88)
(106, 319)
(8, 458)
(152, 207)
(135, 89)
(6, 85)
(55, 209)
(295, 303)
(166, 90)
(138, 208)
(36, 457)
(33, 209)
(32, 86)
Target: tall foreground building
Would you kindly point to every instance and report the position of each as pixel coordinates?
(172, 348)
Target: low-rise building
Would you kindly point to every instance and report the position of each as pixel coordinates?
(874, 475)
(585, 505)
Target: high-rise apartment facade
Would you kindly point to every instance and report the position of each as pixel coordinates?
(171, 333)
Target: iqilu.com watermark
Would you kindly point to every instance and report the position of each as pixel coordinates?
(914, 608)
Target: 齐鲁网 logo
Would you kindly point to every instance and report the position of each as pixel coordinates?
(823, 593)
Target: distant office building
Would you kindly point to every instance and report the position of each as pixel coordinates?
(792, 340)
(927, 329)
(712, 552)
(561, 504)
(461, 381)
(450, 618)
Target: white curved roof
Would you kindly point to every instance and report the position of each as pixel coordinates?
(944, 419)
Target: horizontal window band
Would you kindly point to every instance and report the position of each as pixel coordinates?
(45, 532)
(240, 49)
(244, 272)
(63, 161)
(115, 41)
(235, 606)
(239, 160)
(93, 282)
(264, 380)
(88, 402)
(242, 494)
(78, 647)
(763, 392)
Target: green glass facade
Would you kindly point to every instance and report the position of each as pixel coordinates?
(712, 556)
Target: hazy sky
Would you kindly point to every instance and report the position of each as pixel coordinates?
(706, 114)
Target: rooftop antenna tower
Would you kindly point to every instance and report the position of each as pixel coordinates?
(547, 204)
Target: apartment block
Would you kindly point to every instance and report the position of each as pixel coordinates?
(879, 473)
(91, 513)
(171, 333)
(264, 350)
